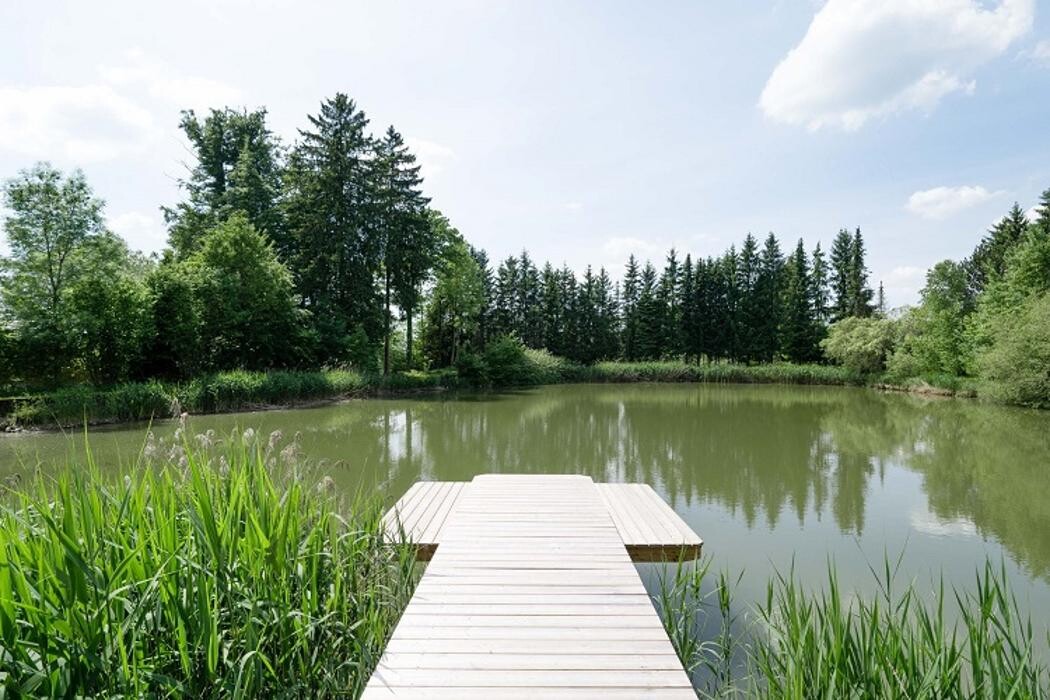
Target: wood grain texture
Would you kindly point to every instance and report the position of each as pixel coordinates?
(531, 592)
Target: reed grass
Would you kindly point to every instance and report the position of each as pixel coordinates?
(220, 570)
(799, 644)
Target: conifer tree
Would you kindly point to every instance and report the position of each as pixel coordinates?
(841, 265)
(859, 292)
(768, 291)
(799, 334)
(650, 316)
(404, 237)
(333, 248)
(670, 317)
(750, 311)
(988, 260)
(819, 283)
(629, 322)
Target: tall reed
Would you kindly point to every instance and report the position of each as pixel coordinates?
(897, 644)
(222, 573)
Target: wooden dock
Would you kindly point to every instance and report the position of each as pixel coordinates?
(531, 592)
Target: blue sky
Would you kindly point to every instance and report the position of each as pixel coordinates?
(583, 131)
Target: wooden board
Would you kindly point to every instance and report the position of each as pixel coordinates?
(650, 529)
(530, 593)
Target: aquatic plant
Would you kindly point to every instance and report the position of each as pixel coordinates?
(219, 572)
(826, 644)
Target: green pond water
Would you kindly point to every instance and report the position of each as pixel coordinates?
(769, 476)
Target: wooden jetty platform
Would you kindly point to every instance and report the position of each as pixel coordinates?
(530, 592)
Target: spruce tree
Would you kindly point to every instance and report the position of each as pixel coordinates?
(403, 233)
(841, 265)
(859, 292)
(989, 258)
(649, 341)
(799, 330)
(333, 249)
(749, 310)
(819, 283)
(768, 290)
(629, 309)
(670, 320)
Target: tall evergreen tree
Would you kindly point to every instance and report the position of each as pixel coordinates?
(841, 265)
(988, 260)
(404, 236)
(629, 309)
(859, 292)
(670, 320)
(528, 302)
(506, 312)
(819, 281)
(799, 331)
(649, 340)
(330, 218)
(768, 291)
(750, 312)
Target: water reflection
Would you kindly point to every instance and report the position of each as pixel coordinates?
(768, 457)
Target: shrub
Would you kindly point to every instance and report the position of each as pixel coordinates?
(860, 344)
(506, 363)
(1016, 368)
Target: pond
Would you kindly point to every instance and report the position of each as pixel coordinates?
(770, 476)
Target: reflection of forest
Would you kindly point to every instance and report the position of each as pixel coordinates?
(761, 452)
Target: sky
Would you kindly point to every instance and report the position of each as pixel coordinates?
(581, 131)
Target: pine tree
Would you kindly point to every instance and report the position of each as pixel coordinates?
(749, 310)
(403, 234)
(506, 308)
(607, 326)
(483, 327)
(841, 264)
(819, 282)
(768, 290)
(629, 309)
(649, 340)
(528, 303)
(688, 310)
(859, 292)
(670, 320)
(333, 251)
(880, 305)
(988, 260)
(553, 310)
(799, 334)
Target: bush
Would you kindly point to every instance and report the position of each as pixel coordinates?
(506, 363)
(861, 344)
(1016, 368)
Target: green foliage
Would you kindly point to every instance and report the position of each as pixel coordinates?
(361, 352)
(244, 298)
(717, 372)
(237, 170)
(861, 344)
(212, 575)
(452, 315)
(50, 219)
(1014, 369)
(835, 644)
(933, 338)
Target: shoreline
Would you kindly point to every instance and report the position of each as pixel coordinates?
(153, 400)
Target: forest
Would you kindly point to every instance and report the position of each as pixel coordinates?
(326, 253)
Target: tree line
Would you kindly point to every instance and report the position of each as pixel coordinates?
(326, 252)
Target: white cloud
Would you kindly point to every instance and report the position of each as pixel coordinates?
(431, 156)
(141, 74)
(141, 231)
(1032, 214)
(616, 250)
(1041, 52)
(574, 206)
(943, 202)
(864, 59)
(126, 111)
(904, 282)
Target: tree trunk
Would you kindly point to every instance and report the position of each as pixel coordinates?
(408, 338)
(386, 321)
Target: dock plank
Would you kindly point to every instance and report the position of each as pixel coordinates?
(530, 589)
